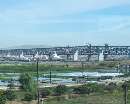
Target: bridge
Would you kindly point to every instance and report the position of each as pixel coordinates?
(71, 53)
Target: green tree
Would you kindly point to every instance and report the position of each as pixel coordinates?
(29, 85)
(27, 82)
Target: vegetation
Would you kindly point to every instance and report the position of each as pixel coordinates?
(84, 94)
(111, 87)
(10, 95)
(60, 89)
(45, 92)
(27, 82)
(98, 94)
(21, 68)
(28, 85)
(2, 97)
(28, 96)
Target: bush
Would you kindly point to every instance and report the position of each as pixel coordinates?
(11, 84)
(94, 87)
(28, 96)
(111, 87)
(10, 95)
(2, 97)
(82, 90)
(27, 82)
(60, 89)
(88, 88)
(45, 92)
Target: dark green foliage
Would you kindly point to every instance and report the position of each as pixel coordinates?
(82, 90)
(11, 85)
(111, 87)
(10, 95)
(45, 92)
(88, 88)
(27, 82)
(2, 97)
(28, 85)
(60, 89)
(28, 96)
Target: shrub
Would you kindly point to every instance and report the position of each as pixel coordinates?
(45, 92)
(2, 97)
(94, 87)
(82, 90)
(28, 96)
(27, 82)
(60, 89)
(88, 88)
(10, 95)
(11, 84)
(111, 87)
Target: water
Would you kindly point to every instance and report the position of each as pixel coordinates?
(60, 78)
(90, 74)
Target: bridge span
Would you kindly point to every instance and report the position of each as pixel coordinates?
(69, 53)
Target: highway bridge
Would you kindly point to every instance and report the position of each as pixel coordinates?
(70, 53)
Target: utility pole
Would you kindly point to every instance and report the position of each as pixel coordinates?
(90, 53)
(50, 74)
(38, 95)
(83, 76)
(125, 87)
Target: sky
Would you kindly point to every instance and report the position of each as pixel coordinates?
(64, 22)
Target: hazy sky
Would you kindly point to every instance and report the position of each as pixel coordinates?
(64, 22)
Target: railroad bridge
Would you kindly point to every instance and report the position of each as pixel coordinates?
(73, 53)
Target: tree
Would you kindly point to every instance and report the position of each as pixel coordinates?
(29, 85)
(27, 82)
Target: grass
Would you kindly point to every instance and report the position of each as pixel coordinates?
(105, 97)
(95, 98)
(20, 68)
(83, 99)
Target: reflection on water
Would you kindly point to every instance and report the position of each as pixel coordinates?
(90, 74)
(60, 78)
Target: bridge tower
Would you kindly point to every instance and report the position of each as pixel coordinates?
(90, 52)
(106, 49)
(101, 56)
(50, 56)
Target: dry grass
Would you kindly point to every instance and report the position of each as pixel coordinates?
(21, 102)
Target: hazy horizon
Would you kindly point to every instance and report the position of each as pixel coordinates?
(64, 22)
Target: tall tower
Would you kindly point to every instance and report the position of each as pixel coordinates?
(106, 49)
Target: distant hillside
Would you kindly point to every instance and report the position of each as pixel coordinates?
(29, 46)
